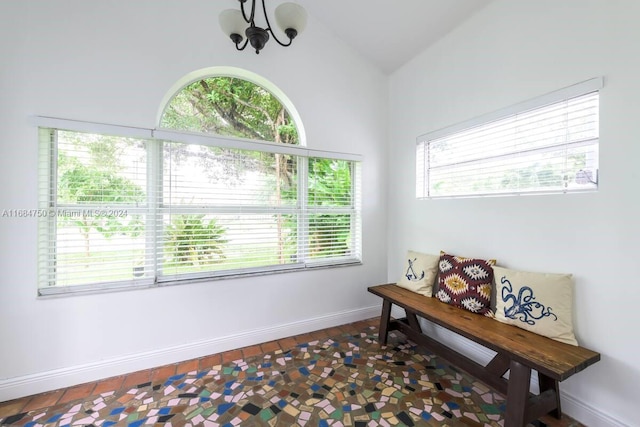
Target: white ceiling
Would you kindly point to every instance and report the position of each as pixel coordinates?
(391, 32)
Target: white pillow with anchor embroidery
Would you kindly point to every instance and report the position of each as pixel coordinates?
(538, 302)
(419, 273)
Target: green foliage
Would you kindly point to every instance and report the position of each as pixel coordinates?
(231, 107)
(330, 185)
(329, 235)
(82, 184)
(194, 240)
(89, 174)
(330, 182)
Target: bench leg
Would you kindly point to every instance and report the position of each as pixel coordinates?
(413, 320)
(385, 318)
(547, 383)
(517, 395)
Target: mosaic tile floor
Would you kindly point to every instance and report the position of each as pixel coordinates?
(335, 377)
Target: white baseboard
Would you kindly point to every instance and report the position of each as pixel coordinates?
(576, 409)
(13, 388)
(587, 414)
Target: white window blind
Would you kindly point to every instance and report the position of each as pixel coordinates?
(546, 145)
(126, 212)
(93, 190)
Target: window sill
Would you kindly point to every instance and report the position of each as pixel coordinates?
(66, 291)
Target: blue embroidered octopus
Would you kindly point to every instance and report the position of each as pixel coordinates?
(524, 307)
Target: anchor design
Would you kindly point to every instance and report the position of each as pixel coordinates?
(524, 307)
(411, 274)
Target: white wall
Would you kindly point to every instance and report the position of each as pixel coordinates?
(113, 62)
(510, 52)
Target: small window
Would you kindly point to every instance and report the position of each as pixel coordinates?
(546, 145)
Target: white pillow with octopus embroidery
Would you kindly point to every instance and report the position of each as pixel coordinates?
(538, 302)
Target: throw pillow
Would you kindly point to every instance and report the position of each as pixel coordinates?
(466, 283)
(419, 273)
(538, 302)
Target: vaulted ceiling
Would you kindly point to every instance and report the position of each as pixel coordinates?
(390, 32)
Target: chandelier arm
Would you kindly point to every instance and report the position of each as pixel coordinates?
(246, 41)
(266, 18)
(251, 17)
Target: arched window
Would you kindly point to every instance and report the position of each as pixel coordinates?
(230, 106)
(221, 188)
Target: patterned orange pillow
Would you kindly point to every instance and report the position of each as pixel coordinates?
(466, 283)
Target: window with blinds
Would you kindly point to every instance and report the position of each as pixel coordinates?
(135, 208)
(545, 145)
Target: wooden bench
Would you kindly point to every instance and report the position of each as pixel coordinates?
(518, 351)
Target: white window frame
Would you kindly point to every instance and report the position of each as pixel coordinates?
(47, 226)
(423, 189)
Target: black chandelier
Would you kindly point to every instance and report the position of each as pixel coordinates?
(290, 17)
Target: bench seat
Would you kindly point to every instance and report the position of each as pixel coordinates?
(517, 351)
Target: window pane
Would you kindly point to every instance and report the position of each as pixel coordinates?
(98, 225)
(330, 182)
(231, 107)
(93, 249)
(553, 148)
(564, 122)
(206, 243)
(556, 170)
(100, 169)
(196, 175)
(331, 235)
